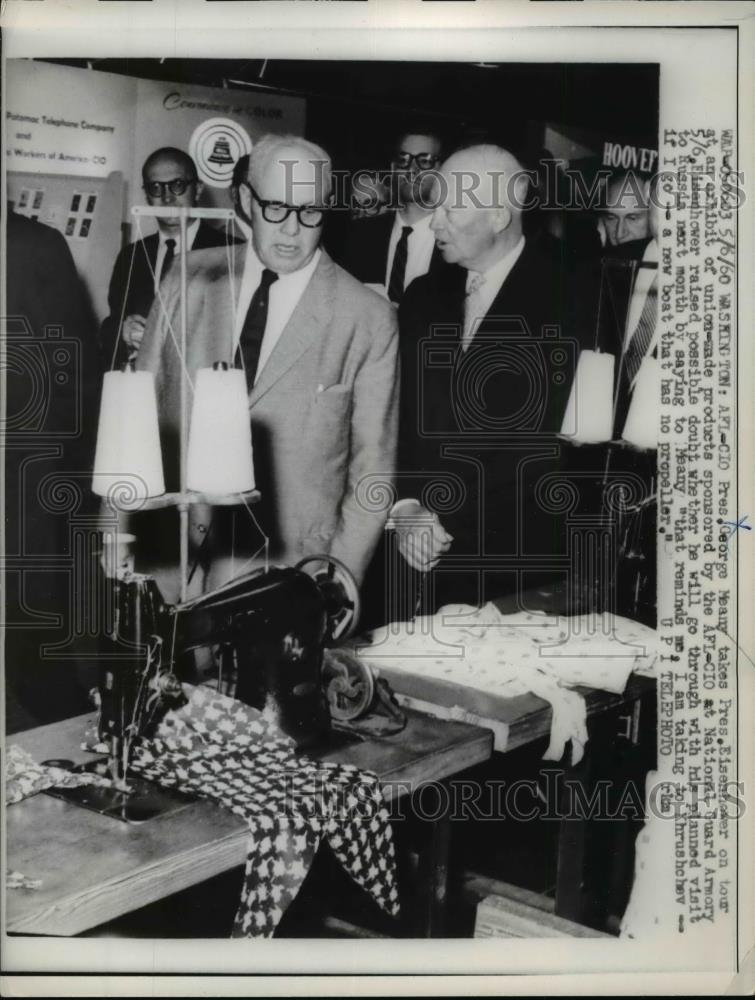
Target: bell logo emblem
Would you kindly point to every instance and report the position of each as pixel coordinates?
(221, 152)
(215, 146)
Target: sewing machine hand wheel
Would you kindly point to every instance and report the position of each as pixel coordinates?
(349, 685)
(339, 588)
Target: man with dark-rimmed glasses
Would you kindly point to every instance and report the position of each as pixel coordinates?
(320, 355)
(169, 179)
(392, 249)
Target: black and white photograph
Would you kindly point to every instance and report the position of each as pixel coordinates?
(376, 484)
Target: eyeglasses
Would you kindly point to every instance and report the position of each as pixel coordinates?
(276, 212)
(157, 189)
(423, 160)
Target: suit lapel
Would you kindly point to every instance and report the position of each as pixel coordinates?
(384, 228)
(507, 305)
(445, 295)
(151, 245)
(437, 263)
(311, 316)
(507, 293)
(149, 248)
(139, 280)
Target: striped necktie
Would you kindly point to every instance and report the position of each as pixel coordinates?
(636, 350)
(472, 310)
(643, 333)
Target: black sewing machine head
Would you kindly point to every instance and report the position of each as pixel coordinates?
(271, 627)
(267, 631)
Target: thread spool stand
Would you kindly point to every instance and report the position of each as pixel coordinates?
(185, 498)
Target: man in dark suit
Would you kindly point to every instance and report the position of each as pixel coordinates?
(617, 293)
(486, 372)
(628, 330)
(392, 249)
(51, 396)
(170, 180)
(620, 278)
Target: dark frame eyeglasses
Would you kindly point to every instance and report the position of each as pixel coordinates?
(309, 216)
(423, 160)
(178, 186)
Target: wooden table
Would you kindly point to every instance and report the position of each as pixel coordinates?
(625, 720)
(516, 721)
(94, 869)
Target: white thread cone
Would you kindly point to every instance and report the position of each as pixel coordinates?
(641, 425)
(220, 440)
(128, 465)
(589, 413)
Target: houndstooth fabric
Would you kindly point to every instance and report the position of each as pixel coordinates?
(25, 777)
(220, 749)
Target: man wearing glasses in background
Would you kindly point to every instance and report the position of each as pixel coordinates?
(169, 179)
(394, 248)
(320, 354)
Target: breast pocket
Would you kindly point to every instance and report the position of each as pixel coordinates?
(332, 405)
(329, 434)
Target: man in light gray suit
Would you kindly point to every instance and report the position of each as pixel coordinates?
(320, 353)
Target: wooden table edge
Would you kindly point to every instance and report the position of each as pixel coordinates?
(82, 911)
(227, 853)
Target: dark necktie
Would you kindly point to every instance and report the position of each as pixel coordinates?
(170, 253)
(253, 329)
(635, 352)
(398, 271)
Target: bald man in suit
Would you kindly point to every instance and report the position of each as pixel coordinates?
(320, 353)
(486, 373)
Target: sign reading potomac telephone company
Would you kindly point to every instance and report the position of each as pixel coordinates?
(81, 122)
(60, 120)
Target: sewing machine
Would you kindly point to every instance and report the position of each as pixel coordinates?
(272, 627)
(268, 631)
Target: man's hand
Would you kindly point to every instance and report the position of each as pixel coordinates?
(422, 539)
(133, 331)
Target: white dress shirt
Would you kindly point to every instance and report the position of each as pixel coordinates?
(283, 298)
(481, 297)
(191, 235)
(419, 248)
